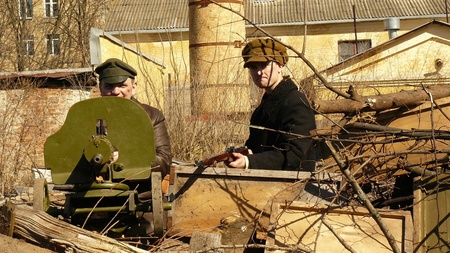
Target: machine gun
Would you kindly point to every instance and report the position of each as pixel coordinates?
(102, 158)
(222, 157)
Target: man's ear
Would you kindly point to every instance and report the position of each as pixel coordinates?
(134, 88)
(100, 87)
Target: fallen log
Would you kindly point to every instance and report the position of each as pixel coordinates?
(42, 229)
(382, 102)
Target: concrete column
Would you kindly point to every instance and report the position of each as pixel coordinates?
(219, 83)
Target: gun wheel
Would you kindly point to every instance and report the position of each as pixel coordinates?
(41, 201)
(157, 204)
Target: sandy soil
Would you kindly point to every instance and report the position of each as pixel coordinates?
(13, 245)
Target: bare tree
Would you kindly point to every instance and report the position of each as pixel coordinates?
(37, 36)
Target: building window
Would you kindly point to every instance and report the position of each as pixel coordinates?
(51, 8)
(28, 45)
(53, 44)
(25, 9)
(348, 48)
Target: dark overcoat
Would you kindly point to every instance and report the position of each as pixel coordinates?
(285, 109)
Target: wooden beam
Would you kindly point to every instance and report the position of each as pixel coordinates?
(382, 102)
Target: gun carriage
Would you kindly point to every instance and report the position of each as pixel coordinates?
(102, 158)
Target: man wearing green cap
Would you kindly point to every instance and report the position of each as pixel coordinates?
(117, 78)
(283, 108)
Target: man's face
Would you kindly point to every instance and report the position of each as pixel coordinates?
(125, 89)
(265, 74)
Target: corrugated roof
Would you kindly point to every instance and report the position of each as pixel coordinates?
(132, 15)
(138, 15)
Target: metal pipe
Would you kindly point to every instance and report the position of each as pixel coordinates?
(354, 27)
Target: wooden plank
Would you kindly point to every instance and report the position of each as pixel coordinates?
(203, 197)
(231, 172)
(318, 227)
(418, 221)
(431, 213)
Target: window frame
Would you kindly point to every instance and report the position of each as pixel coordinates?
(51, 8)
(28, 45)
(53, 44)
(357, 47)
(25, 7)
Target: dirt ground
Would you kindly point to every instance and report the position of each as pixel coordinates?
(13, 245)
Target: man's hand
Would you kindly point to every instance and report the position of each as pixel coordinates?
(238, 160)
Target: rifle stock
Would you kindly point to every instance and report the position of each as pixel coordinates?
(222, 156)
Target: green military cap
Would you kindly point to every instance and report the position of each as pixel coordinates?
(115, 71)
(264, 50)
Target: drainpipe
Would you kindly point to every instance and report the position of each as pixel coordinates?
(392, 25)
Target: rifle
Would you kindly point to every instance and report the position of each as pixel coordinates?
(221, 157)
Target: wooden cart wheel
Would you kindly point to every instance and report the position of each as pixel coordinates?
(41, 201)
(157, 204)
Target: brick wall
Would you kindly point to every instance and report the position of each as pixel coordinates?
(27, 118)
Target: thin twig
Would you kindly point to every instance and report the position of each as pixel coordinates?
(340, 239)
(374, 213)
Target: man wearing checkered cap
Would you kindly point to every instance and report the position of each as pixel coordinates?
(283, 108)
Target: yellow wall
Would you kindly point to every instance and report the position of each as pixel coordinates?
(150, 78)
(321, 49)
(405, 64)
(321, 46)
